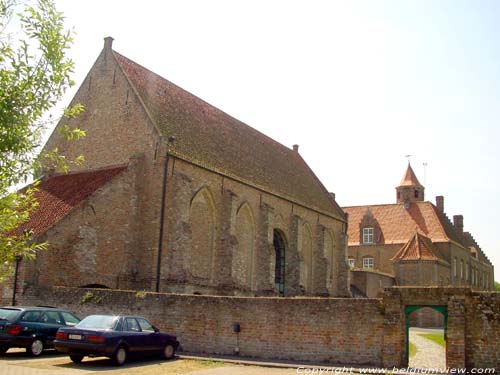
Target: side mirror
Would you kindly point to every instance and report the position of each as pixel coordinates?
(156, 329)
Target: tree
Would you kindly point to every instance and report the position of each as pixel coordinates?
(497, 286)
(34, 74)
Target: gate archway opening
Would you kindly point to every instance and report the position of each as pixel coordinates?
(435, 333)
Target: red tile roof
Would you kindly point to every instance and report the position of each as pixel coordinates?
(399, 224)
(409, 178)
(211, 138)
(59, 194)
(419, 247)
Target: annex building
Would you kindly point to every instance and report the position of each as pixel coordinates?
(413, 243)
(177, 196)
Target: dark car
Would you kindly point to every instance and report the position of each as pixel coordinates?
(115, 337)
(33, 328)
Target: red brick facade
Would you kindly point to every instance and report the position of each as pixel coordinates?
(229, 190)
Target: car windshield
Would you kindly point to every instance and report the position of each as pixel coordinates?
(98, 322)
(9, 314)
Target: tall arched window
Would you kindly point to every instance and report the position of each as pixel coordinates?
(279, 268)
(202, 220)
(243, 261)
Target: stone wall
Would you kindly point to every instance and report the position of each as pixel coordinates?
(483, 330)
(333, 330)
(371, 283)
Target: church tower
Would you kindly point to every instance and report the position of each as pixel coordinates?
(410, 189)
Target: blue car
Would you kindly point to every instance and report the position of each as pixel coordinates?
(114, 336)
(33, 328)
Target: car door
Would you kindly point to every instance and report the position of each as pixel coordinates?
(152, 338)
(49, 323)
(133, 335)
(30, 322)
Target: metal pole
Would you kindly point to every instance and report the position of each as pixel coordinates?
(18, 259)
(170, 140)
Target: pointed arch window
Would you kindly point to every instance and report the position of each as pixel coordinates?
(279, 269)
(202, 219)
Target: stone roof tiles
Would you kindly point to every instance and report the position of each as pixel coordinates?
(211, 138)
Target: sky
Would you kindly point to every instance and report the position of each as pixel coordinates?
(357, 84)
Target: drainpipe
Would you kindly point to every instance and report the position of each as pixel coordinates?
(16, 272)
(170, 140)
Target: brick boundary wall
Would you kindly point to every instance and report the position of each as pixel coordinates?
(342, 331)
(333, 330)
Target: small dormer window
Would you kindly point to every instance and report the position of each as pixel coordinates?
(368, 235)
(416, 193)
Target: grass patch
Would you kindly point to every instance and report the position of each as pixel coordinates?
(413, 349)
(438, 338)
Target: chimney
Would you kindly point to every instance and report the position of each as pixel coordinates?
(108, 43)
(295, 148)
(458, 223)
(332, 195)
(440, 203)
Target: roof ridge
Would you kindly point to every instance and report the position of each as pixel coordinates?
(207, 103)
(221, 142)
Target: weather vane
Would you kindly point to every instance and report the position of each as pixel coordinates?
(408, 157)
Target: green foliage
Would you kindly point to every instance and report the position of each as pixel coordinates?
(141, 294)
(89, 297)
(34, 75)
(438, 338)
(497, 286)
(413, 350)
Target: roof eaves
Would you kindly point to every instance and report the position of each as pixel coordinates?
(265, 189)
(325, 190)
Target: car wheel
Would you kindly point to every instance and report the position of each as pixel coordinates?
(36, 348)
(168, 351)
(76, 358)
(120, 356)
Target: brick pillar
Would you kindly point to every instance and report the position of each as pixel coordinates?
(455, 344)
(176, 262)
(319, 262)
(343, 288)
(292, 275)
(226, 243)
(393, 350)
(264, 275)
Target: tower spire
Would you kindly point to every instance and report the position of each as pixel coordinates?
(409, 189)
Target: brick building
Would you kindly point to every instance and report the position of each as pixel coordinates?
(412, 243)
(222, 209)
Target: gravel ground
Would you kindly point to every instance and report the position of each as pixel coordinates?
(430, 354)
